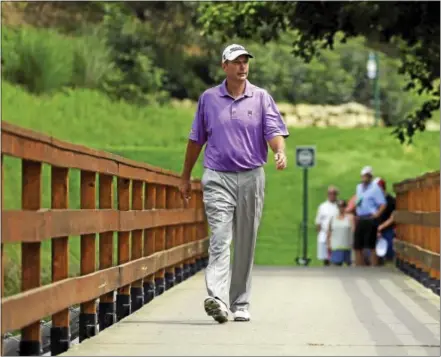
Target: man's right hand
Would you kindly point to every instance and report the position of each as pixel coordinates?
(185, 189)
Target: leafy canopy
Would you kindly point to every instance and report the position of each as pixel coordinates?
(408, 29)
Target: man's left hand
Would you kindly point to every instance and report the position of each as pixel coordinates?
(280, 159)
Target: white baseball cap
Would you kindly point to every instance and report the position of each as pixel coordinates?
(367, 170)
(233, 51)
(381, 247)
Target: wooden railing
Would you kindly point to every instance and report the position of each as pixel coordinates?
(159, 241)
(417, 217)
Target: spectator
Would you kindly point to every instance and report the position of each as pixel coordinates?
(350, 208)
(340, 235)
(325, 211)
(386, 226)
(369, 207)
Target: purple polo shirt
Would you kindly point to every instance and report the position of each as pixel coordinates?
(236, 131)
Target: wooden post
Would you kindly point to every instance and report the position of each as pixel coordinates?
(136, 291)
(106, 314)
(205, 232)
(417, 238)
(160, 239)
(433, 232)
(186, 265)
(2, 258)
(60, 330)
(179, 268)
(398, 226)
(200, 230)
(193, 232)
(436, 207)
(88, 318)
(170, 236)
(149, 242)
(30, 343)
(123, 306)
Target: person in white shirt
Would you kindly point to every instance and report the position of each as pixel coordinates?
(325, 211)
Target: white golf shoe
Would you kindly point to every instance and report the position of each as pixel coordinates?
(241, 315)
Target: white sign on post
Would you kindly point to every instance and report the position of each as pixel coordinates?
(305, 156)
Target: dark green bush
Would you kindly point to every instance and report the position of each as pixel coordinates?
(135, 78)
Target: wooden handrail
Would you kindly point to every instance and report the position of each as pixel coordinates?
(417, 221)
(160, 240)
(33, 146)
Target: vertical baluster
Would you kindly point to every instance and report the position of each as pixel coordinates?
(187, 239)
(179, 268)
(2, 257)
(160, 239)
(136, 291)
(200, 230)
(88, 318)
(418, 229)
(60, 330)
(205, 231)
(425, 231)
(106, 314)
(123, 306)
(436, 234)
(409, 227)
(186, 265)
(399, 198)
(193, 231)
(170, 232)
(30, 343)
(149, 242)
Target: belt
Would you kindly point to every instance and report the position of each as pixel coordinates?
(366, 217)
(235, 172)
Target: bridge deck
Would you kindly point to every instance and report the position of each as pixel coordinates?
(295, 311)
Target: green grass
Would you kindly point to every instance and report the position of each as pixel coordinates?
(157, 135)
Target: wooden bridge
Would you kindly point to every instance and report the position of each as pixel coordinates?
(143, 294)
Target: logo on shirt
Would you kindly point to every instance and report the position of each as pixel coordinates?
(250, 113)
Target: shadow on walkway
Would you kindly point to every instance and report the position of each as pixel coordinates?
(170, 322)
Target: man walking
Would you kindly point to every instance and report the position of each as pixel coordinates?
(369, 207)
(236, 120)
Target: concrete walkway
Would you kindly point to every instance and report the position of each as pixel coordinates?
(295, 311)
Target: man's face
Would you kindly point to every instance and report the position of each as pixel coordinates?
(332, 195)
(366, 178)
(236, 70)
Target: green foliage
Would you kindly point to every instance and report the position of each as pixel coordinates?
(39, 60)
(88, 117)
(44, 61)
(332, 77)
(413, 26)
(92, 59)
(146, 52)
(135, 79)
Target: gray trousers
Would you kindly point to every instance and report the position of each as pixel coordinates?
(233, 205)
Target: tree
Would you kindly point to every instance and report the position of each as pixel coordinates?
(410, 29)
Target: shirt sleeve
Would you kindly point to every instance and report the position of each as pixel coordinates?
(198, 131)
(318, 217)
(273, 124)
(379, 196)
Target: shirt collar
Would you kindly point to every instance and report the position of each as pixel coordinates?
(224, 93)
